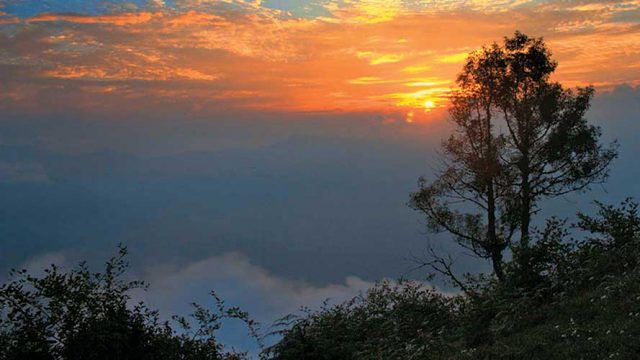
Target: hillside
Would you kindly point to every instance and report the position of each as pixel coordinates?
(581, 302)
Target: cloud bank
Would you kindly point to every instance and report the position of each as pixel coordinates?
(389, 57)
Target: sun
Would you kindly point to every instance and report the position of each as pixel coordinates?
(428, 105)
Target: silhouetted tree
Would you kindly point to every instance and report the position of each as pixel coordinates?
(553, 148)
(473, 173)
(550, 146)
(543, 147)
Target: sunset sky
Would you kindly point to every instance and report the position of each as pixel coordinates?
(397, 58)
(266, 149)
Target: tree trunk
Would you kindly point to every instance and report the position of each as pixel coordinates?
(492, 237)
(525, 217)
(525, 209)
(490, 173)
(496, 259)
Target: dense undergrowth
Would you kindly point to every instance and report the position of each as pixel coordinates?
(576, 299)
(85, 315)
(581, 300)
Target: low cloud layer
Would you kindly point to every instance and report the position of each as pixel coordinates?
(238, 281)
(267, 297)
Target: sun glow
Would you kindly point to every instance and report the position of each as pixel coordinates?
(428, 105)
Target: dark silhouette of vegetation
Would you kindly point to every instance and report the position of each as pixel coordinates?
(381, 325)
(87, 315)
(585, 306)
(519, 138)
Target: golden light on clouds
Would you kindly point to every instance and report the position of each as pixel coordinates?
(454, 58)
(416, 69)
(377, 59)
(356, 56)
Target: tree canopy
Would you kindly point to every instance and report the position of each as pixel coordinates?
(519, 138)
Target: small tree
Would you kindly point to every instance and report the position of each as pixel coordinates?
(550, 145)
(543, 147)
(473, 172)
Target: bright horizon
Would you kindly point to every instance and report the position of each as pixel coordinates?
(396, 58)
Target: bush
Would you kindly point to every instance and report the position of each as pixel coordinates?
(87, 315)
(582, 301)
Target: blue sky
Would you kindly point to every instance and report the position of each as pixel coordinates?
(28, 8)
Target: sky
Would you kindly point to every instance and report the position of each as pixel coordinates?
(396, 58)
(265, 149)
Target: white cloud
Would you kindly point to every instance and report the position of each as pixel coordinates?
(242, 283)
(239, 283)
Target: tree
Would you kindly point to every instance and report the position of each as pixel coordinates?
(552, 148)
(473, 172)
(550, 145)
(543, 148)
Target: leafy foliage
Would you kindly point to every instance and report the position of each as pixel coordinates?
(392, 321)
(584, 304)
(519, 138)
(82, 314)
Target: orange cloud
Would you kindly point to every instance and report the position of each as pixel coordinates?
(368, 55)
(456, 58)
(377, 59)
(370, 80)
